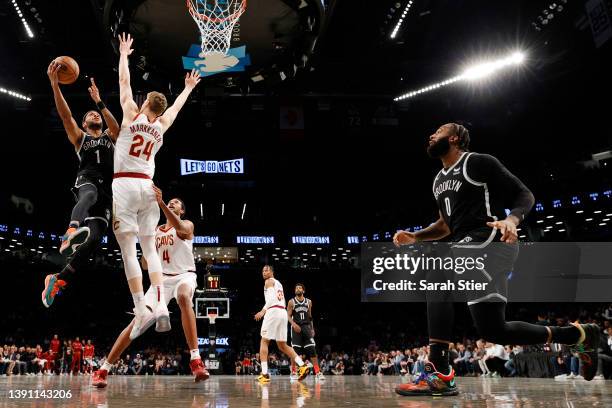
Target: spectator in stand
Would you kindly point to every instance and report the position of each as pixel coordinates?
(159, 364)
(4, 362)
(247, 364)
(419, 365)
(605, 355)
(66, 359)
(28, 356)
(77, 355)
(137, 365)
(238, 367)
(478, 358)
(339, 368)
(511, 352)
(495, 359)
(19, 366)
(461, 363)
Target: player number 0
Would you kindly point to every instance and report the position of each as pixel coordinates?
(448, 206)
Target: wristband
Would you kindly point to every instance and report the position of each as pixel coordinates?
(101, 105)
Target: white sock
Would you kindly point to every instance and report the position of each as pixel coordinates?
(139, 302)
(264, 367)
(195, 354)
(106, 366)
(299, 361)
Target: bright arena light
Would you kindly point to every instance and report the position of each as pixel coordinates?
(23, 20)
(472, 73)
(15, 94)
(401, 20)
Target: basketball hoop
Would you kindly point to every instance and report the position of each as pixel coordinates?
(212, 313)
(216, 20)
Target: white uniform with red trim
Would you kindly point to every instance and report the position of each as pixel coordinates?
(176, 256)
(274, 325)
(134, 206)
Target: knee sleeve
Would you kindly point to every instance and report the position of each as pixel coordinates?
(127, 243)
(147, 244)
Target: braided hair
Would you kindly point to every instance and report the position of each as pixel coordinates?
(464, 136)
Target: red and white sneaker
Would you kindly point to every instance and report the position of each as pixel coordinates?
(198, 370)
(99, 378)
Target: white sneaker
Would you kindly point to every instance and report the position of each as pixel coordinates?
(320, 377)
(599, 377)
(162, 318)
(293, 377)
(141, 323)
(563, 377)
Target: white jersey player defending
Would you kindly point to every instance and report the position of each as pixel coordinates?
(135, 210)
(174, 242)
(274, 326)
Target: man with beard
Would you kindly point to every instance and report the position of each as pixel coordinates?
(472, 191)
(91, 214)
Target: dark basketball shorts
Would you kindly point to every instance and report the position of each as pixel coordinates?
(102, 209)
(304, 339)
(499, 259)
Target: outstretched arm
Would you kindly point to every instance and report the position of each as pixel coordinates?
(184, 228)
(111, 122)
(191, 80)
(75, 134)
(130, 109)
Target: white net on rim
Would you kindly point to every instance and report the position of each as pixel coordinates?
(216, 20)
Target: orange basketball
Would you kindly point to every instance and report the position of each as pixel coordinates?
(69, 70)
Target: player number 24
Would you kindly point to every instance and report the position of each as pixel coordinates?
(135, 150)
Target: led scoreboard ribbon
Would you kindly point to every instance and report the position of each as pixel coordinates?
(235, 166)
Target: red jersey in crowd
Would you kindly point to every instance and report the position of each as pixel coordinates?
(77, 347)
(55, 346)
(88, 351)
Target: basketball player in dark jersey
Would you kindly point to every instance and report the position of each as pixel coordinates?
(472, 191)
(92, 190)
(299, 312)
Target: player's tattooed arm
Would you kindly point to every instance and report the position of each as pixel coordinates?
(75, 134)
(184, 228)
(191, 80)
(111, 122)
(130, 109)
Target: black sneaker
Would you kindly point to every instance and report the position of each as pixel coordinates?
(586, 348)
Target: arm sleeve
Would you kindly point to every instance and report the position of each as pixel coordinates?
(485, 168)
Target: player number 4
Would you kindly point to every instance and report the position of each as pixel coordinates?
(166, 256)
(137, 142)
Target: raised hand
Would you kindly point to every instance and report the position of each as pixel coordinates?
(94, 92)
(52, 71)
(192, 79)
(125, 44)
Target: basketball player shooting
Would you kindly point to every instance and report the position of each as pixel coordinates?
(472, 191)
(136, 213)
(92, 189)
(299, 313)
(274, 326)
(174, 242)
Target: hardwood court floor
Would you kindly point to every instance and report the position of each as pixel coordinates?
(349, 391)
